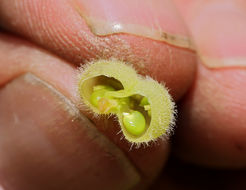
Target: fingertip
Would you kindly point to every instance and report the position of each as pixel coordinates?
(212, 123)
(43, 134)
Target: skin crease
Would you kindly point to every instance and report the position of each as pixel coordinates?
(64, 140)
(194, 131)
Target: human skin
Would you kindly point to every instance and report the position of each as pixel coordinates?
(57, 39)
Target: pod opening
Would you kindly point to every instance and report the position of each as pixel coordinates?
(107, 95)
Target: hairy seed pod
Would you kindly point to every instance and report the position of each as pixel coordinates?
(143, 106)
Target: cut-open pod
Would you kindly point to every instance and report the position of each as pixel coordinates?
(143, 106)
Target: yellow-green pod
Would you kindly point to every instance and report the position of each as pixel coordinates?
(123, 92)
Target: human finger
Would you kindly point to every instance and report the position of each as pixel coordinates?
(154, 41)
(212, 121)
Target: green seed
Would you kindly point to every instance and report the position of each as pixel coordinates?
(144, 101)
(134, 122)
(96, 96)
(99, 92)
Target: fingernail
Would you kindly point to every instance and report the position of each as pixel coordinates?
(219, 31)
(46, 143)
(156, 19)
